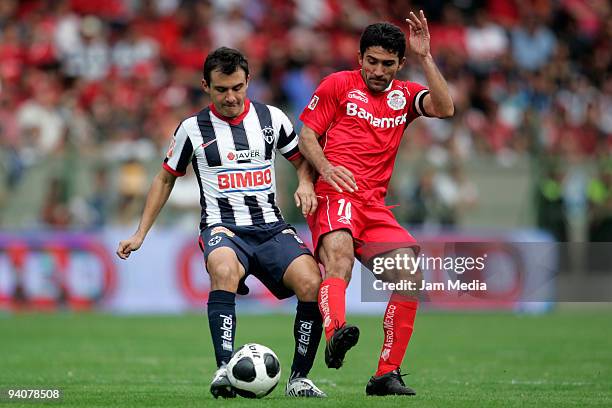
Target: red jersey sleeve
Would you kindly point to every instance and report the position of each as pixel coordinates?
(319, 113)
(416, 96)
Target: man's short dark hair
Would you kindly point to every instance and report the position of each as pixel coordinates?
(226, 60)
(386, 35)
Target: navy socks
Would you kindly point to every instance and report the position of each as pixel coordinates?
(222, 322)
(307, 330)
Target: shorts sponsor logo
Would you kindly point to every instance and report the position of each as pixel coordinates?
(352, 109)
(313, 102)
(359, 95)
(268, 134)
(396, 99)
(214, 240)
(235, 155)
(245, 180)
(222, 230)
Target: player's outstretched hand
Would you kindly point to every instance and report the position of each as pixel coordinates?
(128, 245)
(419, 34)
(305, 198)
(339, 177)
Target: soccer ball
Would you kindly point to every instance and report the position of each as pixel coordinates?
(254, 371)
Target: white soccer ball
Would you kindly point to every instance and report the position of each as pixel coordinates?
(254, 371)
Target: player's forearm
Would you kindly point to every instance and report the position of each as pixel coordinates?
(156, 198)
(304, 170)
(442, 103)
(311, 150)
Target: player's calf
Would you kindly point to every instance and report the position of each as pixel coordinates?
(337, 254)
(303, 277)
(399, 317)
(411, 279)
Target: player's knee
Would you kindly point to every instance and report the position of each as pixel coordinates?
(338, 242)
(224, 275)
(338, 256)
(308, 289)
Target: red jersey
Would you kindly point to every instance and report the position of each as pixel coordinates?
(362, 130)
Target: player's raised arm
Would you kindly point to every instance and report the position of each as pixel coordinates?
(339, 177)
(156, 198)
(438, 102)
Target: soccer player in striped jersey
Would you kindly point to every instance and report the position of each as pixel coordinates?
(231, 145)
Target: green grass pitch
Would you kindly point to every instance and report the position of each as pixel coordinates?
(563, 359)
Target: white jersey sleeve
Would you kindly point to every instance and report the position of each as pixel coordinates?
(180, 152)
(286, 138)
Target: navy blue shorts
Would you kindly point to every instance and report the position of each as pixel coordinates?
(265, 251)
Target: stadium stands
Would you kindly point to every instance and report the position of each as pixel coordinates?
(90, 85)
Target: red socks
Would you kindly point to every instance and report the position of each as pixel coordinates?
(398, 322)
(332, 304)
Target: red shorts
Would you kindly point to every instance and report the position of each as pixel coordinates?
(371, 224)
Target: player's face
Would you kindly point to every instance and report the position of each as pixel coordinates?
(379, 67)
(227, 92)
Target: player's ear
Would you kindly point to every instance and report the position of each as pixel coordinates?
(205, 86)
(401, 63)
(359, 58)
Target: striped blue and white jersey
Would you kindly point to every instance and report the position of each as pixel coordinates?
(234, 162)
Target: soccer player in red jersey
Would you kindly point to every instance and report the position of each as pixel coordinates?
(352, 130)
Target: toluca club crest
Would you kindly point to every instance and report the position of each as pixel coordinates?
(396, 100)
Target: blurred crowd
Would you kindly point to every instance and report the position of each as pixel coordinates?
(110, 79)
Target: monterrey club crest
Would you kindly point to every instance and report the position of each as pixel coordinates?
(268, 134)
(214, 240)
(396, 99)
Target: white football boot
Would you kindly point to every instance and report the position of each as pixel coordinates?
(303, 387)
(220, 385)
